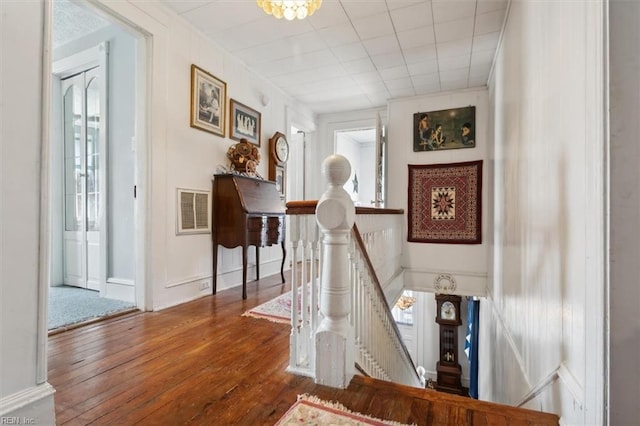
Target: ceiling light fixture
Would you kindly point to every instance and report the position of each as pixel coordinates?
(405, 302)
(290, 9)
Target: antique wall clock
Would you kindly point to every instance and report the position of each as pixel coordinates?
(448, 368)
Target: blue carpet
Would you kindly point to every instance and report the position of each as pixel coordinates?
(71, 305)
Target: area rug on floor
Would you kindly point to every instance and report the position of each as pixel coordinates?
(72, 305)
(275, 310)
(310, 410)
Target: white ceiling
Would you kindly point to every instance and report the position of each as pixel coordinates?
(358, 54)
(71, 22)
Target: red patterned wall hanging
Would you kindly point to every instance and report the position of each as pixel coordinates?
(445, 203)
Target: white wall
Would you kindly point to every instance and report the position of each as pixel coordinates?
(625, 212)
(184, 157)
(122, 90)
(23, 387)
(542, 325)
(424, 262)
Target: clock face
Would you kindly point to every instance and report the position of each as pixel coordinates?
(282, 149)
(448, 311)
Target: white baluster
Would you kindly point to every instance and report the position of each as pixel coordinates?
(302, 294)
(313, 287)
(294, 235)
(335, 214)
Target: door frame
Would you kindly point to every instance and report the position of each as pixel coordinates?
(141, 146)
(376, 120)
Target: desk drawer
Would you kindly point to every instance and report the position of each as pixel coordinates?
(265, 231)
(256, 223)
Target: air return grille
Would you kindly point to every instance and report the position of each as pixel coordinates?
(193, 212)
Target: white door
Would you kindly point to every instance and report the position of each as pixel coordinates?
(295, 168)
(82, 128)
(380, 163)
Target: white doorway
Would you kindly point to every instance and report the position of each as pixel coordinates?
(359, 147)
(97, 124)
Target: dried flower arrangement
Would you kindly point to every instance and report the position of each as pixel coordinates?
(244, 157)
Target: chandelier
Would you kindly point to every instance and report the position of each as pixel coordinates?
(405, 302)
(290, 9)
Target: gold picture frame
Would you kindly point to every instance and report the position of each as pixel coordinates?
(208, 101)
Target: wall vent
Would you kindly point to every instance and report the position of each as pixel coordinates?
(194, 212)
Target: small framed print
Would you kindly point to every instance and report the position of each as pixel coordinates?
(208, 101)
(244, 123)
(280, 181)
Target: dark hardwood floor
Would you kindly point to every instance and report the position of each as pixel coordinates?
(203, 363)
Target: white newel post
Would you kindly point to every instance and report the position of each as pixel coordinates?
(334, 339)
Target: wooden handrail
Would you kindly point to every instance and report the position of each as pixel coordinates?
(309, 207)
(377, 210)
(302, 207)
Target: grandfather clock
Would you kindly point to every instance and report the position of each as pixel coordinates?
(448, 369)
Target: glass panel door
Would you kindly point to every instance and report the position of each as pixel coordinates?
(81, 130)
(93, 153)
(74, 183)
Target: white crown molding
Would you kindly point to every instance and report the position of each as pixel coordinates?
(462, 283)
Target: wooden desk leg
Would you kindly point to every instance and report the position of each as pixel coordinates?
(215, 268)
(284, 256)
(257, 263)
(244, 272)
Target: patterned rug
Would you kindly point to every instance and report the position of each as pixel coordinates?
(445, 203)
(310, 410)
(275, 310)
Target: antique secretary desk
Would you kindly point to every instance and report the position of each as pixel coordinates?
(246, 212)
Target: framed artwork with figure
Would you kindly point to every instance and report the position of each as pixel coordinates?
(244, 123)
(445, 129)
(208, 101)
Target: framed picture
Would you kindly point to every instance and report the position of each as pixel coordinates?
(445, 203)
(280, 181)
(446, 129)
(244, 123)
(208, 101)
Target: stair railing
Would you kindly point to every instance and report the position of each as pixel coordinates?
(341, 316)
(380, 350)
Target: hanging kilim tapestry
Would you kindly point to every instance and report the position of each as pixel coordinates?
(445, 203)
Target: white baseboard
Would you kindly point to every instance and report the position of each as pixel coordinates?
(121, 281)
(193, 288)
(233, 278)
(120, 289)
(33, 405)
